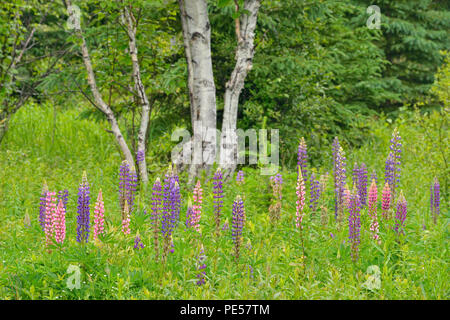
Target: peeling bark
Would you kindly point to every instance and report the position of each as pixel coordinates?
(244, 58)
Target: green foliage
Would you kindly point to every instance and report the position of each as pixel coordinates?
(415, 267)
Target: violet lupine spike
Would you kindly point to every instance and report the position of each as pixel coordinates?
(83, 222)
(372, 209)
(218, 195)
(59, 222)
(400, 215)
(354, 224)
(197, 207)
(124, 173)
(64, 196)
(393, 162)
(189, 214)
(140, 156)
(374, 176)
(302, 158)
(171, 209)
(386, 201)
(42, 205)
(131, 185)
(362, 184)
(435, 199)
(99, 218)
(300, 203)
(138, 243)
(314, 193)
(237, 225)
(240, 177)
(156, 213)
(50, 208)
(201, 267)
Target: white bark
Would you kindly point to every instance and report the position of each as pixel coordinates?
(202, 91)
(140, 90)
(101, 104)
(233, 88)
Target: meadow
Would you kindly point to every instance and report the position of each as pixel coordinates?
(274, 261)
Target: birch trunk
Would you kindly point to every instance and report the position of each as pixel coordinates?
(245, 30)
(140, 90)
(101, 104)
(202, 91)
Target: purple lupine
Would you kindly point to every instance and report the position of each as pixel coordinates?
(140, 156)
(302, 157)
(138, 243)
(190, 215)
(339, 163)
(362, 184)
(240, 177)
(124, 172)
(156, 213)
(201, 266)
(354, 224)
(435, 199)
(131, 185)
(83, 217)
(374, 176)
(237, 225)
(400, 215)
(64, 196)
(218, 195)
(314, 193)
(392, 166)
(170, 210)
(42, 205)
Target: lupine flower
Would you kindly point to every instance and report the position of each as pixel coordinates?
(218, 195)
(362, 184)
(83, 217)
(201, 267)
(42, 205)
(197, 208)
(59, 222)
(99, 218)
(189, 214)
(374, 176)
(372, 207)
(156, 213)
(171, 209)
(64, 196)
(315, 193)
(124, 173)
(346, 196)
(354, 224)
(225, 226)
(237, 225)
(300, 191)
(435, 199)
(400, 215)
(392, 168)
(339, 163)
(140, 156)
(386, 200)
(50, 208)
(240, 177)
(126, 221)
(138, 243)
(131, 185)
(302, 157)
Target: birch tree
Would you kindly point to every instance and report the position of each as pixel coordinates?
(202, 93)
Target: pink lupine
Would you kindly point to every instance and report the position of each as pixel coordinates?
(126, 220)
(99, 218)
(197, 207)
(386, 201)
(346, 196)
(300, 199)
(372, 207)
(59, 222)
(50, 208)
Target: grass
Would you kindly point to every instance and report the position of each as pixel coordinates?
(415, 266)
